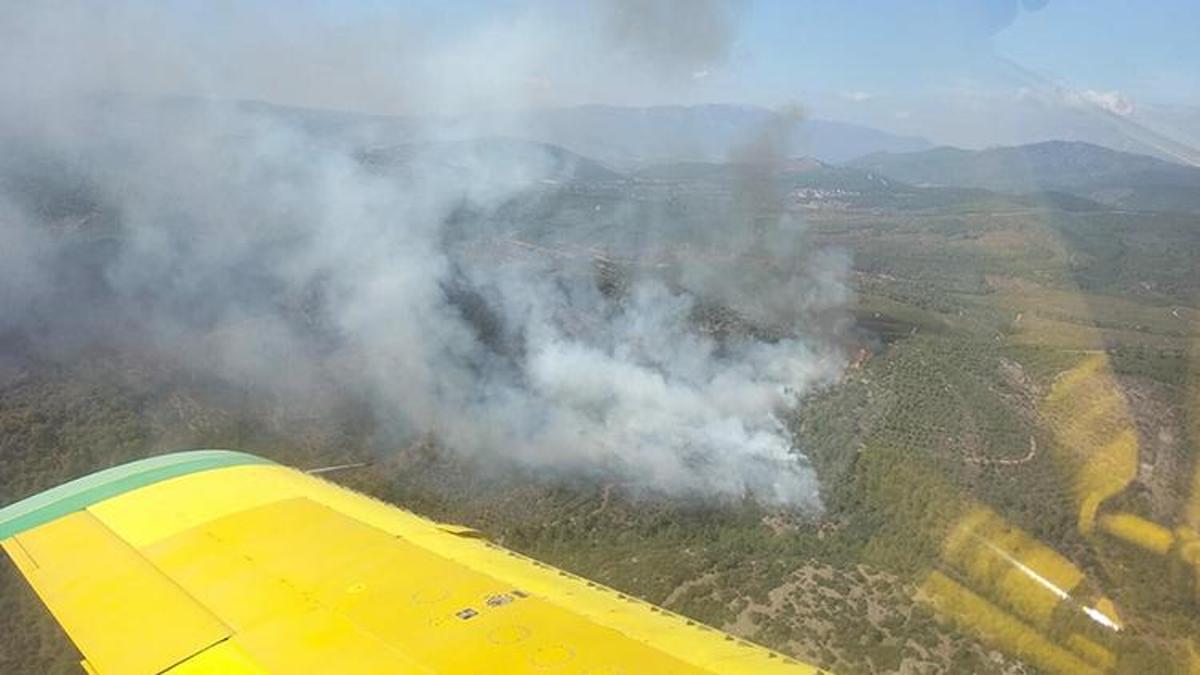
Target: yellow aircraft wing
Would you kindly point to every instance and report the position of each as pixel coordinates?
(214, 561)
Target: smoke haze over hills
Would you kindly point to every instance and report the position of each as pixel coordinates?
(244, 246)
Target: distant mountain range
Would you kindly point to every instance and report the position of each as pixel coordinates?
(635, 137)
(622, 137)
(1118, 179)
(726, 146)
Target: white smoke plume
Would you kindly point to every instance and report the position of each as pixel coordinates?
(676, 37)
(262, 247)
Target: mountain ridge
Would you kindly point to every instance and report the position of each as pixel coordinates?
(1112, 177)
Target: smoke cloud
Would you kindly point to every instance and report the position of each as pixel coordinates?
(677, 37)
(459, 286)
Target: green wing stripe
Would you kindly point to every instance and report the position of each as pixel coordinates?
(83, 492)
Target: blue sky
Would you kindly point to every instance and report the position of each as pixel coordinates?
(1146, 49)
(785, 48)
(965, 72)
(938, 68)
(969, 72)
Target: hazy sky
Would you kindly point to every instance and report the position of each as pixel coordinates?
(1145, 49)
(788, 49)
(939, 68)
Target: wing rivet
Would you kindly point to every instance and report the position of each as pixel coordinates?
(498, 600)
